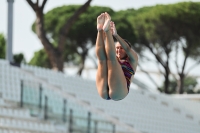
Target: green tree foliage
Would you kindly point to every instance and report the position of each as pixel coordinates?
(40, 59)
(82, 35)
(188, 87)
(162, 28)
(55, 48)
(82, 30)
(18, 58)
(2, 46)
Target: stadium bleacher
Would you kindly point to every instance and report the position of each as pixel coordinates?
(140, 112)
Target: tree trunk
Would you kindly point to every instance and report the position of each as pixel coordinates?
(165, 65)
(83, 58)
(166, 87)
(181, 74)
(181, 84)
(81, 68)
(55, 55)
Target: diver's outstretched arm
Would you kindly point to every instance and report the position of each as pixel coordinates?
(133, 57)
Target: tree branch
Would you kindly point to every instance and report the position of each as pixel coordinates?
(148, 59)
(148, 75)
(43, 4)
(73, 18)
(156, 55)
(176, 58)
(160, 71)
(184, 63)
(65, 29)
(31, 4)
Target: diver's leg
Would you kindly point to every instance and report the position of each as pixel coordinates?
(116, 79)
(102, 71)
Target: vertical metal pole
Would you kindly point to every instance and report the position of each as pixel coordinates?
(71, 121)
(46, 108)
(95, 126)
(113, 128)
(40, 97)
(21, 95)
(9, 55)
(64, 110)
(89, 122)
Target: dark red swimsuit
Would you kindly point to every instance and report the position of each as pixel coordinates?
(128, 72)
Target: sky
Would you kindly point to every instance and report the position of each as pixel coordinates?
(26, 42)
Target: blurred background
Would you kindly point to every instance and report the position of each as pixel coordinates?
(48, 67)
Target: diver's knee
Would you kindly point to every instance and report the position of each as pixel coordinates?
(117, 96)
(104, 95)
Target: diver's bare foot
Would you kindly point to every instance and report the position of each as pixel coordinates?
(106, 26)
(100, 21)
(113, 28)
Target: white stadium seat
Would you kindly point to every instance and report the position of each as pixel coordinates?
(141, 110)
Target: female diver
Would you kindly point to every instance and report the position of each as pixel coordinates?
(116, 62)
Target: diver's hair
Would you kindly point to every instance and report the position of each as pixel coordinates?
(129, 44)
